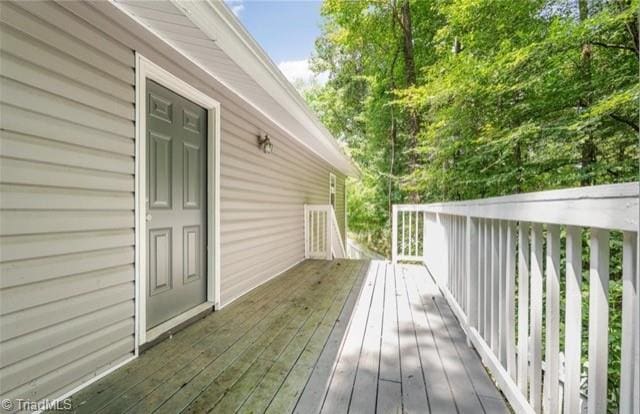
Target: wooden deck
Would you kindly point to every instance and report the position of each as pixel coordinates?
(331, 337)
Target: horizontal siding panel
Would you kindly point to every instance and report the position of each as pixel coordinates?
(14, 171)
(26, 197)
(280, 177)
(42, 78)
(235, 261)
(254, 275)
(37, 222)
(97, 56)
(22, 272)
(42, 340)
(257, 188)
(256, 214)
(23, 247)
(249, 226)
(39, 101)
(29, 123)
(41, 364)
(64, 21)
(81, 370)
(32, 319)
(32, 50)
(263, 231)
(43, 150)
(26, 297)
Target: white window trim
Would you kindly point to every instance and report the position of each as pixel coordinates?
(145, 69)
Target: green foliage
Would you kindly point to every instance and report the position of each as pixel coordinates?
(476, 98)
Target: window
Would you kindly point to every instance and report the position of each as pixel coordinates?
(332, 190)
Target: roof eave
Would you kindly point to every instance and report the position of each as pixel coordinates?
(219, 23)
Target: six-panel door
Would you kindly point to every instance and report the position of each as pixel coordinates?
(176, 204)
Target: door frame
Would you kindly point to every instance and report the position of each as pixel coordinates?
(146, 69)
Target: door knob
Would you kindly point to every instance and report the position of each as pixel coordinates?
(149, 217)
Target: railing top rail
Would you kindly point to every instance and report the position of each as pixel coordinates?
(613, 207)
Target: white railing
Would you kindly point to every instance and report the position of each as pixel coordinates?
(498, 262)
(322, 238)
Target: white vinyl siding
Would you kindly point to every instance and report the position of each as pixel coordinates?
(66, 205)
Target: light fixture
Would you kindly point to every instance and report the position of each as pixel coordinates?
(264, 143)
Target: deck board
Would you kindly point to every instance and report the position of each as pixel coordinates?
(326, 336)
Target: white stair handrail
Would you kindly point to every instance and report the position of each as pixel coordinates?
(337, 246)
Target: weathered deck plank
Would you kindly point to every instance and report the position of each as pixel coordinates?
(414, 395)
(438, 388)
(100, 394)
(341, 336)
(315, 389)
(341, 384)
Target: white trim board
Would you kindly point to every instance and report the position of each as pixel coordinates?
(333, 190)
(145, 69)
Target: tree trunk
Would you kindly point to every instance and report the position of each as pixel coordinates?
(588, 150)
(410, 80)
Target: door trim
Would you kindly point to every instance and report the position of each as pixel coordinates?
(145, 69)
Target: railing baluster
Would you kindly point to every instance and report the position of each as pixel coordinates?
(464, 271)
(629, 322)
(510, 299)
(415, 249)
(598, 321)
(313, 219)
(454, 258)
(495, 288)
(487, 281)
(472, 271)
(523, 306)
(481, 260)
(552, 348)
(450, 254)
(573, 321)
(502, 297)
(536, 317)
(409, 238)
(403, 239)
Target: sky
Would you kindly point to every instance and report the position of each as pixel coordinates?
(286, 30)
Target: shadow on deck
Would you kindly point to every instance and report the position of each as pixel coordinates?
(326, 336)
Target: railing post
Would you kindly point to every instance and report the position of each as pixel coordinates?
(394, 233)
(329, 229)
(472, 274)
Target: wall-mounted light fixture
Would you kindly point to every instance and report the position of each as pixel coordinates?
(264, 143)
